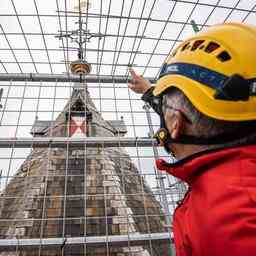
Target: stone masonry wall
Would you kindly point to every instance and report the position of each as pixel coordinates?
(76, 192)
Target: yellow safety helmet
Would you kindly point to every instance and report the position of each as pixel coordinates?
(216, 70)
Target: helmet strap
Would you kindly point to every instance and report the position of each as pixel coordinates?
(232, 88)
(163, 136)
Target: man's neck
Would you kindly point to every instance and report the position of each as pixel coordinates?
(185, 150)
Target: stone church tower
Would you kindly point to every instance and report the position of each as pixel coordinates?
(86, 192)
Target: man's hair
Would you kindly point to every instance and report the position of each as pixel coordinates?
(202, 125)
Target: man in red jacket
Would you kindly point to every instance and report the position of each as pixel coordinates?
(206, 99)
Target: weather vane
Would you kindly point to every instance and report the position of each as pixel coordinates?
(80, 36)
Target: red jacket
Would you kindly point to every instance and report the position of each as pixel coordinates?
(218, 215)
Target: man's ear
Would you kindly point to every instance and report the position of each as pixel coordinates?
(175, 125)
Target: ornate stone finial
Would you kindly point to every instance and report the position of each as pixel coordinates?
(80, 67)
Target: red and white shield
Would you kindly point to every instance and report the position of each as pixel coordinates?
(77, 126)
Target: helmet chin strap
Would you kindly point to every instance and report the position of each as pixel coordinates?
(164, 138)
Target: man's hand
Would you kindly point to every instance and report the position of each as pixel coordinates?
(138, 84)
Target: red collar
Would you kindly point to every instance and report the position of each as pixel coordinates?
(187, 168)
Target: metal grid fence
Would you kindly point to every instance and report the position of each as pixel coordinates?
(37, 85)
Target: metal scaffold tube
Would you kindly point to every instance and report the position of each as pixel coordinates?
(32, 77)
(164, 198)
(76, 142)
(134, 239)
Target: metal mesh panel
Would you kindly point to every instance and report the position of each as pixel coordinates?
(76, 152)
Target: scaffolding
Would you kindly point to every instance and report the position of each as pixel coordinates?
(40, 98)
